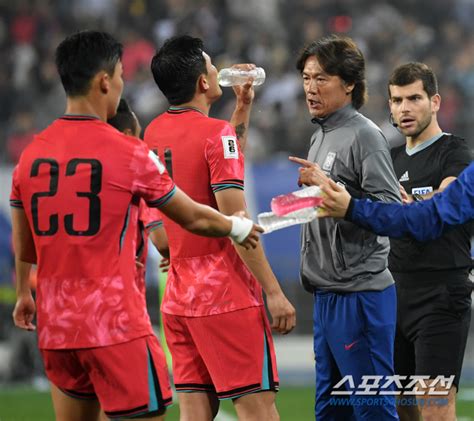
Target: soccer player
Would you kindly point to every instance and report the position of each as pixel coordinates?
(75, 195)
(150, 222)
(213, 312)
(423, 221)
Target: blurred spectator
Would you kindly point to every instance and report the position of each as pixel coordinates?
(22, 131)
(268, 32)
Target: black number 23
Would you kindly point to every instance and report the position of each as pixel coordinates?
(92, 196)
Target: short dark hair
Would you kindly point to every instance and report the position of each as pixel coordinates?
(409, 73)
(177, 66)
(339, 56)
(124, 119)
(82, 55)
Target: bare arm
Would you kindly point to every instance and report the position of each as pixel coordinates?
(283, 313)
(160, 240)
(25, 253)
(203, 220)
(23, 243)
(244, 98)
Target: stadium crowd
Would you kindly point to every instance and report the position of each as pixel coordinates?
(268, 32)
(31, 97)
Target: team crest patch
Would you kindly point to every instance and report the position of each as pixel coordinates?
(329, 161)
(421, 190)
(231, 150)
(157, 162)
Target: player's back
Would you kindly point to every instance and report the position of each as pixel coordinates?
(189, 141)
(206, 275)
(79, 182)
(77, 197)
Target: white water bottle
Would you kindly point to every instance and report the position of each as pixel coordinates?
(232, 76)
(271, 222)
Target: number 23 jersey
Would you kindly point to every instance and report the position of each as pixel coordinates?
(79, 183)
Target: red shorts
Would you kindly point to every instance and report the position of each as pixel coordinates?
(128, 379)
(229, 354)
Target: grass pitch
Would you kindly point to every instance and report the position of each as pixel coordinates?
(294, 404)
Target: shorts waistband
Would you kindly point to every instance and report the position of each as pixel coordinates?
(434, 277)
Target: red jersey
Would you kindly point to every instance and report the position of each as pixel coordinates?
(206, 275)
(80, 182)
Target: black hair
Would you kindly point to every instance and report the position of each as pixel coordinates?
(339, 56)
(124, 119)
(409, 73)
(82, 55)
(177, 66)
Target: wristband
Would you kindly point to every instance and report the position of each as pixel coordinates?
(241, 228)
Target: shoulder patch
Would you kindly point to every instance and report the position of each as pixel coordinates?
(231, 150)
(156, 161)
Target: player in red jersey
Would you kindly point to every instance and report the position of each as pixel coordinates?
(150, 221)
(75, 195)
(213, 312)
(150, 225)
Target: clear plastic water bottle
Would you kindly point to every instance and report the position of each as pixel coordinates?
(271, 222)
(232, 76)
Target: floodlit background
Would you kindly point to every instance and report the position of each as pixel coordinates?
(266, 32)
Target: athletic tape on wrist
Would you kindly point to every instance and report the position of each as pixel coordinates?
(241, 228)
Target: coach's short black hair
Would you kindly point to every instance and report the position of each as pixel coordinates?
(81, 56)
(177, 66)
(339, 56)
(409, 73)
(124, 119)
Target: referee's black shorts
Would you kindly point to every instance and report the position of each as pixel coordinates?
(433, 321)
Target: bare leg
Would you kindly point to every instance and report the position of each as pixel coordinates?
(103, 417)
(257, 407)
(431, 411)
(70, 409)
(197, 406)
(408, 413)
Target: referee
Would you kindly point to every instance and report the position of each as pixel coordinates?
(432, 278)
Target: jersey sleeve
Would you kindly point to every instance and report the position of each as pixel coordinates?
(151, 181)
(457, 157)
(152, 219)
(377, 176)
(225, 160)
(424, 220)
(15, 195)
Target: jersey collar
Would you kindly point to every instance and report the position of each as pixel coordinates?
(336, 119)
(79, 117)
(173, 109)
